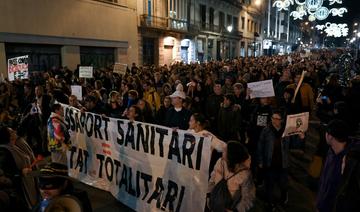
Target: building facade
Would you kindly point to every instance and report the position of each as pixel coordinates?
(198, 30)
(280, 31)
(163, 34)
(68, 32)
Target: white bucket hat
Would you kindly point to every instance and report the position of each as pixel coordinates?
(179, 92)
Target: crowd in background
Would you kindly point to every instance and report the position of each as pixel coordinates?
(211, 96)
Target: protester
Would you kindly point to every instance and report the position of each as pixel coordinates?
(212, 105)
(306, 93)
(234, 166)
(203, 95)
(229, 119)
(337, 133)
(273, 157)
(54, 183)
(16, 158)
(161, 113)
(58, 135)
(177, 116)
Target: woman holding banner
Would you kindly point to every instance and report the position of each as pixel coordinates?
(197, 124)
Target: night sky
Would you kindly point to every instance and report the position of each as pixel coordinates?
(353, 7)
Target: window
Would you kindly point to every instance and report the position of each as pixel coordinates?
(242, 23)
(211, 16)
(173, 8)
(221, 20)
(228, 20)
(236, 23)
(255, 27)
(149, 11)
(202, 15)
(248, 25)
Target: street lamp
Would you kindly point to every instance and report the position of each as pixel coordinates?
(229, 29)
(258, 2)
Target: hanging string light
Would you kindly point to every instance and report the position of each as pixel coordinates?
(314, 9)
(334, 30)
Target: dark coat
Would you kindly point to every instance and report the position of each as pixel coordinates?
(348, 195)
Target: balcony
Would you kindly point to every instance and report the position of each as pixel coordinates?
(236, 3)
(163, 23)
(211, 28)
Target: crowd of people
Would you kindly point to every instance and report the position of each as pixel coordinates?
(211, 99)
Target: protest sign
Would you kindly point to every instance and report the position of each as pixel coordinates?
(86, 72)
(18, 68)
(147, 167)
(296, 124)
(261, 89)
(120, 68)
(77, 91)
(298, 86)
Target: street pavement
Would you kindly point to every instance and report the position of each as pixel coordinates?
(301, 197)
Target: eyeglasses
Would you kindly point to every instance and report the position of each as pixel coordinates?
(276, 118)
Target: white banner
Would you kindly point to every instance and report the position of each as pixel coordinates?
(18, 68)
(86, 72)
(147, 167)
(297, 123)
(261, 89)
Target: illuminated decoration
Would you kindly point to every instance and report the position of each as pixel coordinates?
(331, 2)
(312, 18)
(312, 8)
(320, 27)
(334, 30)
(338, 11)
(283, 5)
(322, 13)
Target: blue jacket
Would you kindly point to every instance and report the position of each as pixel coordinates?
(266, 144)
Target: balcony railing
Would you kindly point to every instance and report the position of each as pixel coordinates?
(163, 23)
(236, 3)
(206, 27)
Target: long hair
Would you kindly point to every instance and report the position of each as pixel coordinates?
(204, 123)
(236, 154)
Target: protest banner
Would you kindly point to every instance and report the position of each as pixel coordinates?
(147, 167)
(86, 72)
(120, 68)
(261, 89)
(18, 68)
(296, 124)
(77, 91)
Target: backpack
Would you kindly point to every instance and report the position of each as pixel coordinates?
(220, 196)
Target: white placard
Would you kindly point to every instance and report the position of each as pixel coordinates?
(18, 68)
(120, 68)
(147, 167)
(77, 91)
(261, 89)
(297, 123)
(86, 72)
